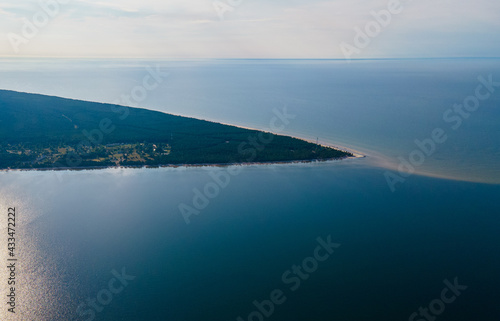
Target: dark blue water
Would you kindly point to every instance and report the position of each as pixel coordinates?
(395, 250)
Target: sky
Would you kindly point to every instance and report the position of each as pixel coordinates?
(186, 29)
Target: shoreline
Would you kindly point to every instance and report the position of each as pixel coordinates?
(356, 153)
(353, 153)
(222, 165)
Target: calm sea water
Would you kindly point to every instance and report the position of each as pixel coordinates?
(396, 248)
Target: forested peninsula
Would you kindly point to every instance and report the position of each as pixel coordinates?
(45, 132)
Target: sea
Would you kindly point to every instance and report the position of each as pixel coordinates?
(409, 231)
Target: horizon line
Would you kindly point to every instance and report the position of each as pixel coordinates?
(229, 58)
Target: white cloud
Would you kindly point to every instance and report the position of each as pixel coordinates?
(256, 28)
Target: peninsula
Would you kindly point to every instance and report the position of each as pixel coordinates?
(45, 132)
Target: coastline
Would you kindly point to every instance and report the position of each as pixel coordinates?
(222, 165)
(351, 153)
(356, 153)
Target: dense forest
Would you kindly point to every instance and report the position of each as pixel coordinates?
(38, 131)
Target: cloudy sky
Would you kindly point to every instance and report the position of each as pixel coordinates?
(248, 28)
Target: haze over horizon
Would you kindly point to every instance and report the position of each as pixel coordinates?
(248, 29)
